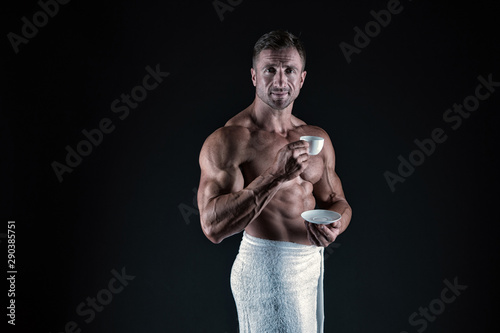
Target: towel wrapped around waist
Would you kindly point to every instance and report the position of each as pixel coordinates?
(278, 286)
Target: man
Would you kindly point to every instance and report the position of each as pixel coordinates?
(257, 177)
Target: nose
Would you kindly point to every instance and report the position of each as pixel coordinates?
(280, 79)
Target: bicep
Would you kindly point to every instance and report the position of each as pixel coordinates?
(215, 182)
(220, 173)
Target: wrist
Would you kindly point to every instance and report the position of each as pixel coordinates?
(274, 176)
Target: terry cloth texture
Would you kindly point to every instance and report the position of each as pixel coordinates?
(278, 286)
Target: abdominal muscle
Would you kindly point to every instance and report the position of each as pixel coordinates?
(280, 219)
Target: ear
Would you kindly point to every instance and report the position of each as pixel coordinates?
(253, 73)
(302, 78)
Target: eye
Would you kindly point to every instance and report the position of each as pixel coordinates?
(271, 70)
(290, 70)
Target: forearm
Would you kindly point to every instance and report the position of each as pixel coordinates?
(228, 214)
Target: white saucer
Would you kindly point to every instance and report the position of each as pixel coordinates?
(320, 216)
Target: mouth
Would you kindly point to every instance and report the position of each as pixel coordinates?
(279, 93)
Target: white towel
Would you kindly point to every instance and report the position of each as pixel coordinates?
(278, 286)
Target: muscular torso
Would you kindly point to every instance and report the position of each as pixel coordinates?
(280, 219)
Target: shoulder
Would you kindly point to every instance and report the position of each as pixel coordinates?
(229, 135)
(235, 130)
(229, 141)
(227, 138)
(223, 146)
(316, 131)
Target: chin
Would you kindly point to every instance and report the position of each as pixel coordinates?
(278, 107)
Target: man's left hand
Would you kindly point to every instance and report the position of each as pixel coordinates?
(323, 234)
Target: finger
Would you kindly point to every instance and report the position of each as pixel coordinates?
(297, 152)
(299, 144)
(303, 158)
(318, 235)
(330, 234)
(326, 235)
(303, 166)
(336, 224)
(322, 237)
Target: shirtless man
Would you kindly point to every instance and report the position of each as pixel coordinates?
(256, 175)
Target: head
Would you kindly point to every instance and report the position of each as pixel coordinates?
(278, 68)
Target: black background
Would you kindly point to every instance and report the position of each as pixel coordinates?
(129, 204)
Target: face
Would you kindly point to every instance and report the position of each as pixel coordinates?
(278, 77)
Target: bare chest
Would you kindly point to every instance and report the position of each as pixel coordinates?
(261, 152)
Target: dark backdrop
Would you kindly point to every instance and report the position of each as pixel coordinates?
(127, 208)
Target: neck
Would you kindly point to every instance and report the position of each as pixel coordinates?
(271, 120)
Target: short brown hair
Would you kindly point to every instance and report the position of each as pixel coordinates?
(278, 40)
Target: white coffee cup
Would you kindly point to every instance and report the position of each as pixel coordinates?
(315, 144)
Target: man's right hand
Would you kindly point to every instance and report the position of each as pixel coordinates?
(291, 160)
